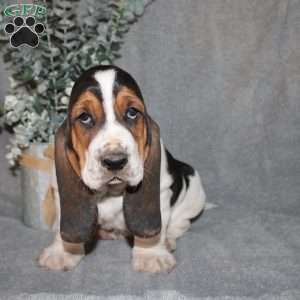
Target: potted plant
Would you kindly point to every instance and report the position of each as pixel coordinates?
(78, 34)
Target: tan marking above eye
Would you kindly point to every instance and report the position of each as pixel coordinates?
(88, 102)
(81, 138)
(125, 99)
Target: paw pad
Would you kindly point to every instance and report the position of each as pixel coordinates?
(24, 31)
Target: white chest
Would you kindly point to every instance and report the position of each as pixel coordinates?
(110, 214)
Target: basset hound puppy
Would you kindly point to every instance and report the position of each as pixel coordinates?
(116, 178)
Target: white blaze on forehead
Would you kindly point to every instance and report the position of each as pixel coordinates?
(106, 81)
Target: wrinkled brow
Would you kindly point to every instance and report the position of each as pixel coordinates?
(88, 102)
(96, 91)
(128, 96)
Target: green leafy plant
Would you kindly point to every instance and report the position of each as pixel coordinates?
(79, 34)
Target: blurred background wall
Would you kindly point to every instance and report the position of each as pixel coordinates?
(222, 80)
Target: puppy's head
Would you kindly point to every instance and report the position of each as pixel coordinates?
(113, 145)
(107, 122)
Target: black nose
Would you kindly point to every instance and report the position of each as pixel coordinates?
(114, 161)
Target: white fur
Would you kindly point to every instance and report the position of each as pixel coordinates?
(110, 214)
(175, 222)
(106, 81)
(55, 257)
(154, 259)
(113, 136)
(190, 203)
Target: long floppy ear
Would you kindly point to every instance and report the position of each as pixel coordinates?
(142, 203)
(78, 224)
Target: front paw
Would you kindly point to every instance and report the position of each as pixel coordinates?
(55, 257)
(153, 260)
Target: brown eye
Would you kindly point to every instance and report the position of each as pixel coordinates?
(131, 113)
(86, 119)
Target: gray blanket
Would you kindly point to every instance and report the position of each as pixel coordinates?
(222, 78)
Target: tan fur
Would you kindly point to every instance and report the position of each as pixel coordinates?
(126, 98)
(81, 138)
(49, 207)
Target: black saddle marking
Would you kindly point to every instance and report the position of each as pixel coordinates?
(179, 171)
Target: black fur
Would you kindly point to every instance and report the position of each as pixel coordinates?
(179, 171)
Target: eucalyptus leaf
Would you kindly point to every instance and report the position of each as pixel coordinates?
(79, 34)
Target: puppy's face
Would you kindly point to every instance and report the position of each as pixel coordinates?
(108, 130)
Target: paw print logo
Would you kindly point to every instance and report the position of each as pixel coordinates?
(24, 32)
